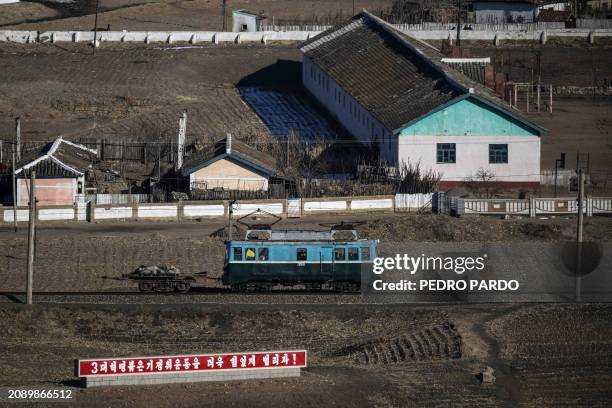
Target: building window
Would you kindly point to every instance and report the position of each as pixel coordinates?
(244, 28)
(498, 153)
(446, 153)
(339, 254)
(237, 254)
(302, 254)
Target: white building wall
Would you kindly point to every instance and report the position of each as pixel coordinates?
(350, 113)
(472, 153)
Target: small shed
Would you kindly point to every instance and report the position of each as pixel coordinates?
(60, 172)
(246, 21)
(230, 165)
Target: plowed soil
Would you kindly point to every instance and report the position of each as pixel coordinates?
(542, 355)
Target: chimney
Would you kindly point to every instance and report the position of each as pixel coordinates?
(228, 144)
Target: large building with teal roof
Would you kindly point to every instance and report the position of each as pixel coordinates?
(394, 93)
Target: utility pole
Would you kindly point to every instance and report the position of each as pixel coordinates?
(353, 7)
(459, 24)
(96, 28)
(18, 136)
(559, 164)
(14, 194)
(31, 243)
(180, 146)
(579, 234)
(223, 13)
(230, 212)
(158, 162)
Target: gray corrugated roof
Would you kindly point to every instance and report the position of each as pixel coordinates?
(397, 78)
(473, 70)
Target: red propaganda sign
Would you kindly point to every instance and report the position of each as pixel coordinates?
(190, 363)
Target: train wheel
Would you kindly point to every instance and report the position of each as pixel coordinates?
(145, 286)
(346, 287)
(182, 287)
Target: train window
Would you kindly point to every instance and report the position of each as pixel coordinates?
(237, 254)
(365, 254)
(339, 254)
(353, 254)
(250, 254)
(302, 254)
(263, 254)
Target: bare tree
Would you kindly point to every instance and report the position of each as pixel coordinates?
(483, 183)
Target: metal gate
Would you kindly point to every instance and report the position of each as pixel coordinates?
(294, 208)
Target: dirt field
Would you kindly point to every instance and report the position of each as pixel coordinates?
(132, 92)
(382, 356)
(176, 15)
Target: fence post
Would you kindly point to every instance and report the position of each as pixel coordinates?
(589, 206)
(532, 207)
(180, 208)
(91, 211)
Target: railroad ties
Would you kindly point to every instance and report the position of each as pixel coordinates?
(438, 342)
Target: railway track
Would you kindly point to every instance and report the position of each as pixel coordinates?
(208, 296)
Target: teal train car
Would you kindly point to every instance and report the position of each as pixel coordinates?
(310, 259)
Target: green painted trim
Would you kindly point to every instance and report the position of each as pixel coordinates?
(470, 116)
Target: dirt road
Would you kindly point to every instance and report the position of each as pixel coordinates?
(204, 15)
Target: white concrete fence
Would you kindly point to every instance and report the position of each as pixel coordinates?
(414, 203)
(147, 37)
(186, 210)
(263, 37)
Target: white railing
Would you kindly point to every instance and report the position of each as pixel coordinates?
(177, 211)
